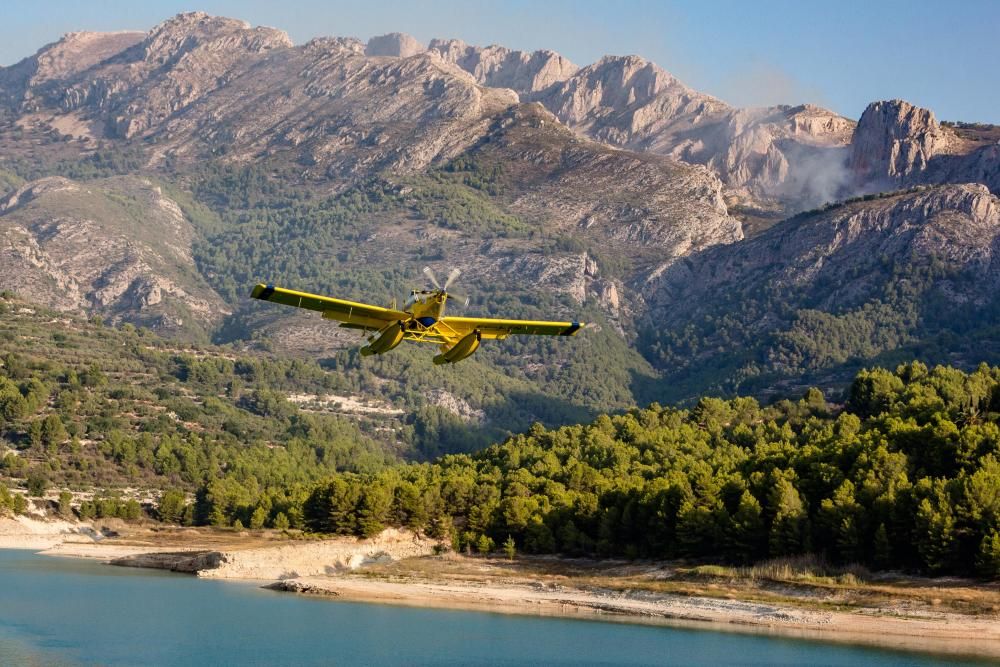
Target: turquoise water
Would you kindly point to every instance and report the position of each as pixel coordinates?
(56, 611)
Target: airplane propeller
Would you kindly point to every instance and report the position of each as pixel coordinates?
(430, 276)
(455, 273)
(452, 275)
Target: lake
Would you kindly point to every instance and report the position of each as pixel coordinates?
(56, 611)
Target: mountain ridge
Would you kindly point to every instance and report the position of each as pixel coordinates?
(344, 166)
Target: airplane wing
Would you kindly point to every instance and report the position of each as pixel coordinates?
(491, 328)
(351, 313)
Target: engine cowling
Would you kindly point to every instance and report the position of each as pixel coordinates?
(387, 340)
(460, 350)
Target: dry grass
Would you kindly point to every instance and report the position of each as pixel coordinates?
(807, 569)
(806, 582)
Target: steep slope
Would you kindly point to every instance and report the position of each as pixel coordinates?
(616, 212)
(913, 273)
(790, 153)
(198, 86)
(770, 152)
(115, 247)
(72, 55)
(897, 144)
(500, 67)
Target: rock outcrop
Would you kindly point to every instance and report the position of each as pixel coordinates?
(833, 289)
(894, 140)
(500, 67)
(897, 144)
(395, 44)
(116, 247)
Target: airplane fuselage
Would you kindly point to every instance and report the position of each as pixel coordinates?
(428, 308)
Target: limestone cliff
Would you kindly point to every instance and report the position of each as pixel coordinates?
(897, 144)
(500, 67)
(116, 247)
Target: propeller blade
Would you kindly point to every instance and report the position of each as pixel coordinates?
(430, 276)
(464, 300)
(455, 273)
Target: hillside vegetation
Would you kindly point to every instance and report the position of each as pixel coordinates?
(906, 475)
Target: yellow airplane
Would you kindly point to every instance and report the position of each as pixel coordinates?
(422, 319)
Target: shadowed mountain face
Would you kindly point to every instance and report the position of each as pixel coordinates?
(820, 294)
(152, 177)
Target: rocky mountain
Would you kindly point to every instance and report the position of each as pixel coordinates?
(897, 144)
(778, 152)
(611, 192)
(630, 102)
(797, 155)
(115, 247)
(820, 294)
(500, 67)
(198, 86)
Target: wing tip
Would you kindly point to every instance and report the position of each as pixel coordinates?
(262, 291)
(573, 328)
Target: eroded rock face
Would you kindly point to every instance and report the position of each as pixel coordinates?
(395, 44)
(818, 296)
(769, 152)
(85, 247)
(625, 198)
(75, 53)
(894, 140)
(847, 249)
(500, 67)
(898, 144)
(198, 86)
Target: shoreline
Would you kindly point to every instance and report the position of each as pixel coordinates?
(396, 567)
(947, 635)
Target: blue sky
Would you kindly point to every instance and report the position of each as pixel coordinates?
(841, 55)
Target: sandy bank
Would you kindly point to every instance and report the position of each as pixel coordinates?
(22, 532)
(287, 560)
(944, 633)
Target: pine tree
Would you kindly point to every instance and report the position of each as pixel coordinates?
(485, 544)
(881, 547)
(935, 535)
(988, 559)
(65, 504)
(509, 548)
(790, 524)
(746, 535)
(6, 502)
(258, 518)
(53, 433)
(171, 506)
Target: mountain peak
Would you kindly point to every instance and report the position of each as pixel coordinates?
(395, 45)
(499, 67)
(894, 139)
(171, 39)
